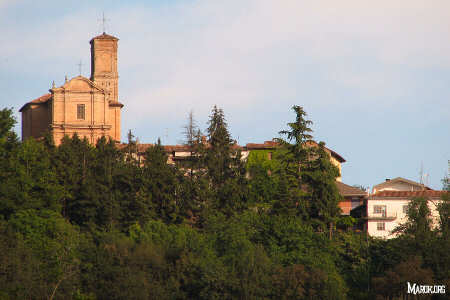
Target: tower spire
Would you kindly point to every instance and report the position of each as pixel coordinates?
(103, 20)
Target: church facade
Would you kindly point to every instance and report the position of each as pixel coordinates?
(86, 106)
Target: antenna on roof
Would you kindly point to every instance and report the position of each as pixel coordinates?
(421, 173)
(103, 20)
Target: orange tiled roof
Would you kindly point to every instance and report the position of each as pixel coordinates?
(41, 99)
(266, 145)
(181, 148)
(410, 194)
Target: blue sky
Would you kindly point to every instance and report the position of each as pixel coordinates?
(374, 78)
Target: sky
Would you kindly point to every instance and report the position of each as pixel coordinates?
(373, 76)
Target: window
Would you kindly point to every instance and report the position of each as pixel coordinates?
(378, 209)
(405, 209)
(80, 111)
(380, 226)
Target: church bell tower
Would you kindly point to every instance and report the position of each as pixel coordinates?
(104, 74)
(104, 64)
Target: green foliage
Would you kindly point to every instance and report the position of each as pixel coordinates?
(418, 225)
(44, 255)
(161, 183)
(28, 180)
(320, 177)
(85, 222)
(260, 158)
(225, 169)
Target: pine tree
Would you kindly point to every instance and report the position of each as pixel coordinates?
(219, 153)
(226, 171)
(297, 152)
(294, 155)
(323, 195)
(73, 161)
(161, 183)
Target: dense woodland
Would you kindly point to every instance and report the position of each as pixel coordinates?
(90, 222)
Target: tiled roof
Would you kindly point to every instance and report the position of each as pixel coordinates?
(347, 190)
(266, 145)
(399, 179)
(170, 148)
(104, 36)
(180, 148)
(409, 194)
(41, 99)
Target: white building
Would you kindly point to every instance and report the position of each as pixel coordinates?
(387, 206)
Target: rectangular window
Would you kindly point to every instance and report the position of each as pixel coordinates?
(378, 209)
(380, 226)
(405, 209)
(80, 111)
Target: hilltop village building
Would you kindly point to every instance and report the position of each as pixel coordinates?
(90, 107)
(352, 197)
(388, 204)
(86, 106)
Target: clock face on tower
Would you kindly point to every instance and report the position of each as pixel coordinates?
(104, 62)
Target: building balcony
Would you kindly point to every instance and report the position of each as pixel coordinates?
(382, 216)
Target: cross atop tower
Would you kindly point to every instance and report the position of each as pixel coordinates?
(80, 64)
(103, 20)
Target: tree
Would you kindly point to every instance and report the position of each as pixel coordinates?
(73, 161)
(297, 152)
(54, 245)
(394, 281)
(225, 169)
(294, 154)
(219, 153)
(161, 183)
(446, 180)
(320, 177)
(28, 180)
(418, 224)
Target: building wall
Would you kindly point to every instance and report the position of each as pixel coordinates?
(394, 210)
(96, 122)
(99, 96)
(398, 186)
(335, 162)
(35, 120)
(349, 203)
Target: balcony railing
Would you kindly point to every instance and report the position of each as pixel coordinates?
(382, 216)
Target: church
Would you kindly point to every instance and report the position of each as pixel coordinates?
(90, 107)
(87, 106)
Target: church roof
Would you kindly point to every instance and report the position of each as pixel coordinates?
(104, 36)
(42, 99)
